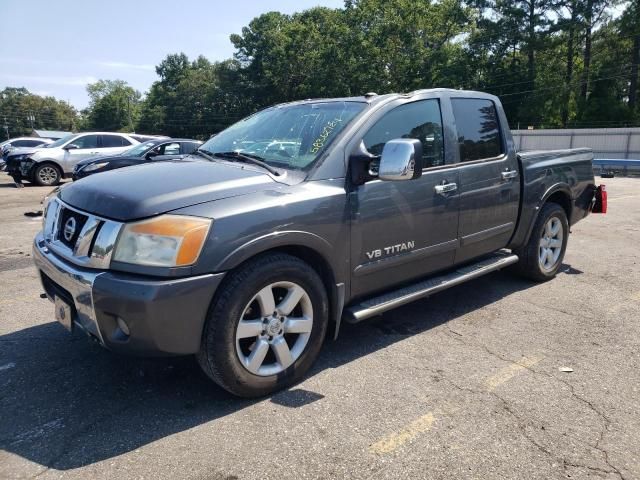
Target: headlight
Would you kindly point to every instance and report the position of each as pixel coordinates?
(93, 166)
(165, 241)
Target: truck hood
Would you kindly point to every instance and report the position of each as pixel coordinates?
(146, 190)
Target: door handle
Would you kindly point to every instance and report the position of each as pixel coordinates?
(445, 188)
(509, 174)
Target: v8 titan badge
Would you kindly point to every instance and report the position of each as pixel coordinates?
(64, 314)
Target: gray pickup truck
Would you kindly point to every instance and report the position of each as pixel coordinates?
(299, 217)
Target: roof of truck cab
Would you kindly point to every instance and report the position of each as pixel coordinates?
(375, 98)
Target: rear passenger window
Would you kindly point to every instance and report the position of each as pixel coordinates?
(478, 129)
(420, 120)
(189, 147)
(111, 141)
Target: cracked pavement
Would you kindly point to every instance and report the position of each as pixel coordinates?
(465, 384)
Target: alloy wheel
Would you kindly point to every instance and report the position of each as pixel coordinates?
(47, 175)
(274, 328)
(550, 246)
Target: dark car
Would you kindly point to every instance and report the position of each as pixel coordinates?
(149, 151)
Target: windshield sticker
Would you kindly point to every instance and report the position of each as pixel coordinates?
(326, 131)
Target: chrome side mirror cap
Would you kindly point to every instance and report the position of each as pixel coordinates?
(401, 160)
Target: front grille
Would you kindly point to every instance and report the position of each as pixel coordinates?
(71, 223)
(90, 239)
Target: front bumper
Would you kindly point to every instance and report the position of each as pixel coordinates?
(164, 317)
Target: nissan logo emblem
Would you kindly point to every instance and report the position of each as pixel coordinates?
(69, 229)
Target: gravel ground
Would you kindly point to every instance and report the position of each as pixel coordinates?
(466, 384)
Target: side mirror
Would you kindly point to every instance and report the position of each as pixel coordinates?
(401, 160)
(151, 154)
(71, 146)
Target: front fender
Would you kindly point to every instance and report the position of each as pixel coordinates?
(309, 241)
(274, 240)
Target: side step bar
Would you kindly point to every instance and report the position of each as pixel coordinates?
(387, 301)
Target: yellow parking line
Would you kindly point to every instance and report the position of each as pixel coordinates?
(395, 440)
(507, 373)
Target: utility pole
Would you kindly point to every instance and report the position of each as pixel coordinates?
(129, 113)
(31, 118)
(6, 127)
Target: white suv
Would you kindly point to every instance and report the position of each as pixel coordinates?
(47, 165)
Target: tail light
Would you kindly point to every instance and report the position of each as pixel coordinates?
(601, 200)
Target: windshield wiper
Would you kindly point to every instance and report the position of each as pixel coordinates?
(202, 153)
(248, 158)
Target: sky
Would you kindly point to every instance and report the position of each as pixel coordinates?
(56, 47)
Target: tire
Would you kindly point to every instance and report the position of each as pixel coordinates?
(541, 257)
(47, 175)
(240, 332)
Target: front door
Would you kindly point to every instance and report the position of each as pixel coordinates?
(489, 183)
(87, 146)
(404, 229)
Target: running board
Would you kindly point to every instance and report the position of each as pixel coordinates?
(387, 301)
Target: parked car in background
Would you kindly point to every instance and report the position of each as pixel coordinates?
(22, 142)
(150, 151)
(143, 138)
(48, 165)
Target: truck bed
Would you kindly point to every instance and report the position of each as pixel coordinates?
(546, 172)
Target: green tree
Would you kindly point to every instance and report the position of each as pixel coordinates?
(113, 106)
(194, 98)
(22, 111)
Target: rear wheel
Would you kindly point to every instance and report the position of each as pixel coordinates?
(265, 327)
(47, 175)
(541, 258)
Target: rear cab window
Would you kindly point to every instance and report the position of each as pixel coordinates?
(478, 127)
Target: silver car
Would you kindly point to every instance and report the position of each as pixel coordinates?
(48, 165)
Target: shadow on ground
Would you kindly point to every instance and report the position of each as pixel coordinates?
(67, 403)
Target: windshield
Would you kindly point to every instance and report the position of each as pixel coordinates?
(61, 141)
(140, 149)
(289, 136)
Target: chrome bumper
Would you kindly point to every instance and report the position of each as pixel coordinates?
(71, 283)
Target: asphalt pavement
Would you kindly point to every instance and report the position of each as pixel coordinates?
(466, 384)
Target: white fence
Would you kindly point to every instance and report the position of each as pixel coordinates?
(605, 142)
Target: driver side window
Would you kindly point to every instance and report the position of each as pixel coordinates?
(420, 120)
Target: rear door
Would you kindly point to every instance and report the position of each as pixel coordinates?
(113, 144)
(489, 184)
(404, 229)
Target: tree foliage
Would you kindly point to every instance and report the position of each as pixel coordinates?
(22, 111)
(113, 106)
(553, 63)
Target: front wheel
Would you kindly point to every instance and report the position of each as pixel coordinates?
(265, 327)
(541, 258)
(47, 175)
